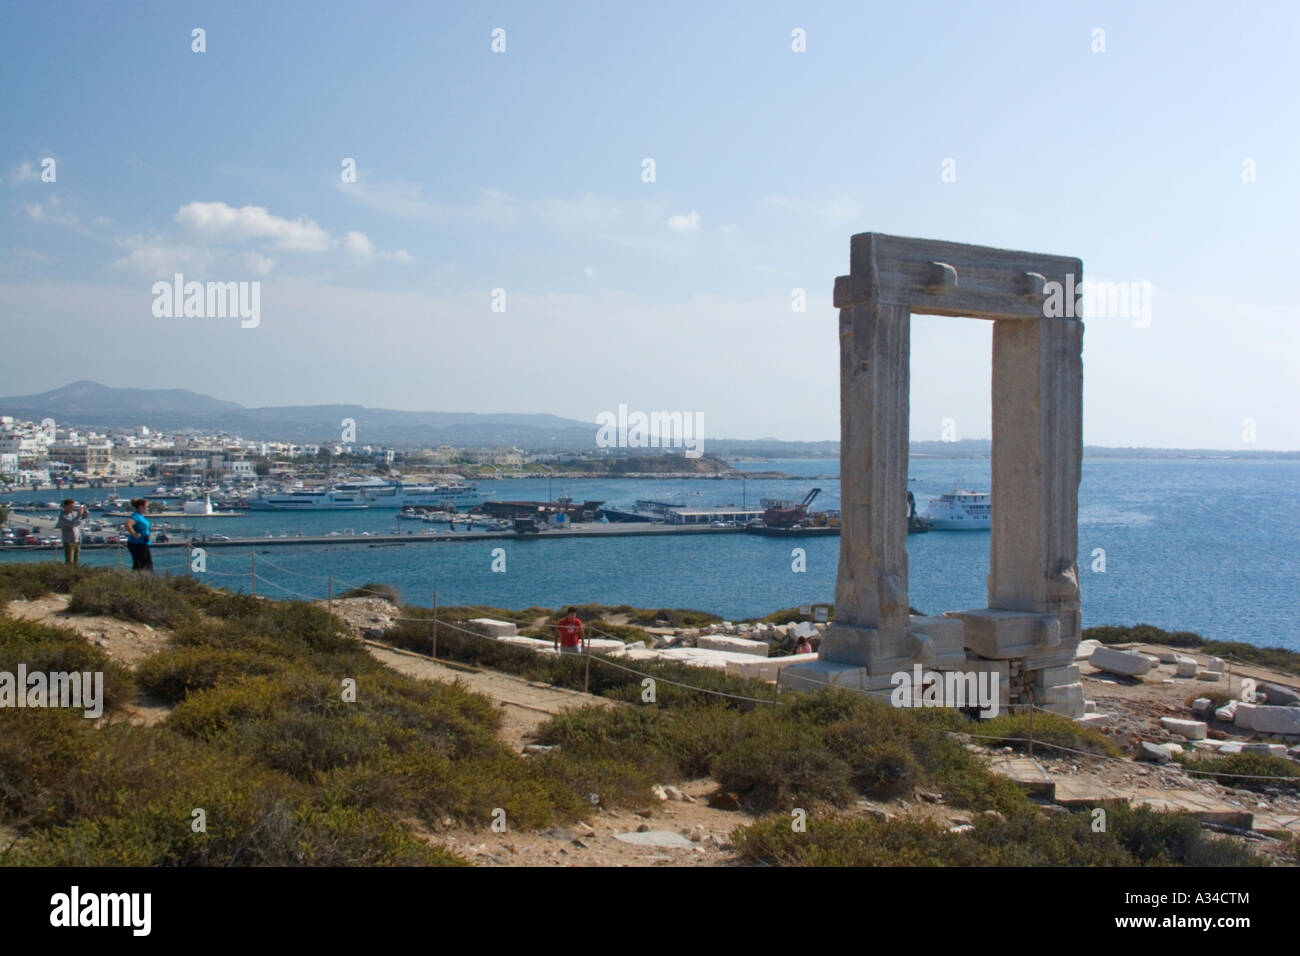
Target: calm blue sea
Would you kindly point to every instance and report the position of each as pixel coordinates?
(1204, 545)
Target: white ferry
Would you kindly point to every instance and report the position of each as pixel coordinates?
(326, 500)
(960, 510)
(396, 494)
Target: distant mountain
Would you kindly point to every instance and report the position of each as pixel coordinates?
(92, 405)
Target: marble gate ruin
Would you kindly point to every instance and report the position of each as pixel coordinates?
(1030, 630)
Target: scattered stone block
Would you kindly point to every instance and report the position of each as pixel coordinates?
(803, 629)
(1165, 655)
(1245, 715)
(1278, 695)
(494, 628)
(1155, 753)
(1214, 664)
(1201, 705)
(766, 668)
(1208, 675)
(1089, 706)
(537, 644)
(1271, 750)
(703, 657)
(723, 642)
(1227, 712)
(1268, 719)
(1191, 729)
(658, 838)
(1093, 719)
(1186, 666)
(1126, 663)
(1085, 649)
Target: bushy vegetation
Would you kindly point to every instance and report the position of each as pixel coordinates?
(1012, 730)
(145, 598)
(1275, 658)
(1139, 837)
(827, 748)
(371, 589)
(1256, 771)
(34, 579)
(46, 649)
(295, 743)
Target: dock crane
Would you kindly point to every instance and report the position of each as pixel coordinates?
(786, 514)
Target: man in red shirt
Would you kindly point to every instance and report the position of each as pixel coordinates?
(568, 633)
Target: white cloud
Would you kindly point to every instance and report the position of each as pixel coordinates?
(158, 257)
(589, 272)
(24, 173)
(37, 212)
(257, 263)
(218, 222)
(359, 245)
(688, 222)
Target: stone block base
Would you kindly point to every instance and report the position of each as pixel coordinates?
(999, 634)
(931, 641)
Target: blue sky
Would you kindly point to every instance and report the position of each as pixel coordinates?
(522, 171)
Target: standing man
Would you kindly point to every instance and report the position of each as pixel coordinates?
(69, 522)
(568, 633)
(137, 537)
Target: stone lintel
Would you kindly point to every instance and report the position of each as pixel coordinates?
(935, 277)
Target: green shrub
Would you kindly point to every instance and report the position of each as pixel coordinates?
(1253, 770)
(371, 589)
(130, 596)
(782, 763)
(1013, 729)
(174, 674)
(1132, 838)
(33, 579)
(44, 648)
(886, 771)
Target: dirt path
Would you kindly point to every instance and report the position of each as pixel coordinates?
(526, 704)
